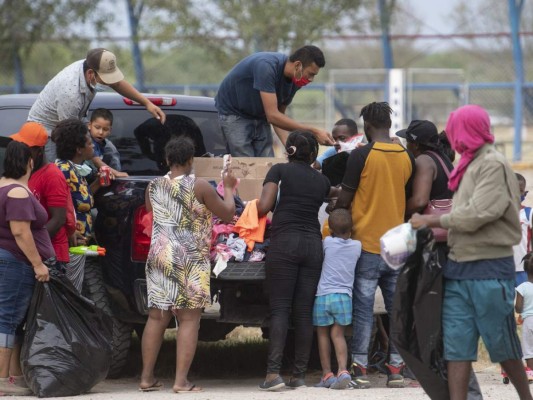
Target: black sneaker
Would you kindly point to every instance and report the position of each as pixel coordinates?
(296, 383)
(274, 384)
(395, 376)
(360, 379)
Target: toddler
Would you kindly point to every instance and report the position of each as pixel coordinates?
(332, 311)
(524, 306)
(100, 128)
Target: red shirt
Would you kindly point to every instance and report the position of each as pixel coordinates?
(50, 187)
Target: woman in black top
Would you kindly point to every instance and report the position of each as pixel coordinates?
(294, 259)
(430, 180)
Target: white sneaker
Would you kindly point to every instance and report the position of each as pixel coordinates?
(10, 387)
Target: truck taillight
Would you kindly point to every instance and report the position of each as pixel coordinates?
(140, 243)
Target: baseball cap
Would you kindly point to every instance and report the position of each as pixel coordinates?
(105, 64)
(421, 131)
(32, 134)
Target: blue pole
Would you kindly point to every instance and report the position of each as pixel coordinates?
(515, 11)
(388, 62)
(134, 13)
(19, 73)
(384, 16)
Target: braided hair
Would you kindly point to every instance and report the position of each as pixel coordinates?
(302, 146)
(377, 115)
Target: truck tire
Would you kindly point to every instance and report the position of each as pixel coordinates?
(95, 290)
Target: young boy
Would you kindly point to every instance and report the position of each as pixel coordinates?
(524, 306)
(332, 311)
(524, 247)
(100, 128)
(344, 130)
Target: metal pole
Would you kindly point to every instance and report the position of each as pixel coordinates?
(515, 11)
(388, 62)
(134, 13)
(384, 17)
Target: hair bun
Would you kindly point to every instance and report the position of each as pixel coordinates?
(291, 150)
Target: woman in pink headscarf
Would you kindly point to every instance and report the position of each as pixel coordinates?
(479, 276)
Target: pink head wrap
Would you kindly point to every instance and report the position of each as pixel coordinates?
(468, 129)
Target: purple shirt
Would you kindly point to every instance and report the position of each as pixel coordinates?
(26, 209)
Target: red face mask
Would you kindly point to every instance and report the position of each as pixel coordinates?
(301, 82)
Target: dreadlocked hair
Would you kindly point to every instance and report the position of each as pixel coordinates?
(377, 115)
(302, 146)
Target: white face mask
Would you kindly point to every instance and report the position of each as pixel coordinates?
(83, 169)
(97, 87)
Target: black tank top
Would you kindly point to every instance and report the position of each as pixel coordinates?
(439, 189)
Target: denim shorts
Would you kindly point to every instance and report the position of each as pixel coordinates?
(17, 281)
(473, 308)
(332, 308)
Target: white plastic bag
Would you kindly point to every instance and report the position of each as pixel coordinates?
(397, 244)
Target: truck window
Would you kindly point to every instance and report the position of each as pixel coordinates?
(12, 119)
(152, 137)
(141, 140)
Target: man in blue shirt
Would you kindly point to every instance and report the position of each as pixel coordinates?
(256, 93)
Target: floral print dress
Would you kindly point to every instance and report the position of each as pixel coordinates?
(178, 268)
(82, 197)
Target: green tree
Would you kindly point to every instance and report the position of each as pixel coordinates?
(232, 29)
(23, 23)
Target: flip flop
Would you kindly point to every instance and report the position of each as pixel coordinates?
(152, 388)
(191, 389)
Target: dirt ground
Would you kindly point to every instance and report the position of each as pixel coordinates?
(246, 389)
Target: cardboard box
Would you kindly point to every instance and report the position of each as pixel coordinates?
(243, 167)
(250, 170)
(248, 189)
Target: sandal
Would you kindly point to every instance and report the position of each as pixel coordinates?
(152, 388)
(191, 389)
(326, 381)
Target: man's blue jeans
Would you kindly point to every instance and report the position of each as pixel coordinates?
(370, 272)
(246, 137)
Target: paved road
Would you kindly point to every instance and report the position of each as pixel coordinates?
(246, 389)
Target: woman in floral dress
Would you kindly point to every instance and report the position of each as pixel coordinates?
(74, 146)
(178, 268)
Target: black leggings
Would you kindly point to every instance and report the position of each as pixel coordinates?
(293, 266)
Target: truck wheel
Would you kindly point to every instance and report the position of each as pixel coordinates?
(95, 290)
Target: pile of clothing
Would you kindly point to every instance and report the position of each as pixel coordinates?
(245, 239)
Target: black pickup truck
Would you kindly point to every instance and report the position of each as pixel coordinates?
(117, 282)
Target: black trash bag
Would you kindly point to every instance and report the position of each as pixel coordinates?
(416, 317)
(68, 343)
(416, 328)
